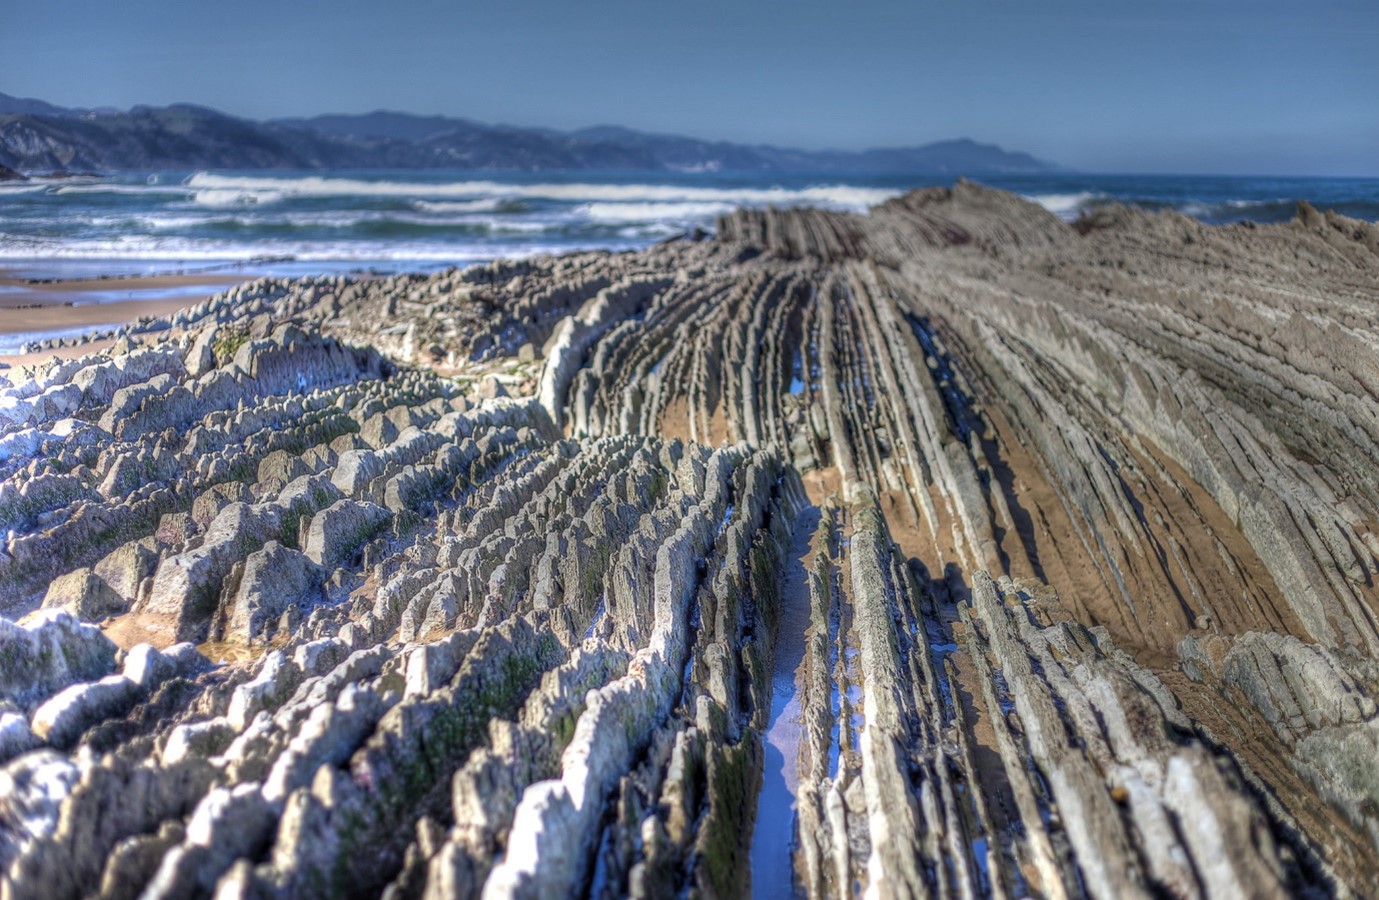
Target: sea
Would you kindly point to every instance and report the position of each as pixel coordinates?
(299, 223)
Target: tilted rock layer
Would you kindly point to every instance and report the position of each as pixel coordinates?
(1019, 558)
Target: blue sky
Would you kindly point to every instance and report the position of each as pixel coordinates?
(1209, 86)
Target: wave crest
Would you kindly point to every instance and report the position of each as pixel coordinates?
(1067, 206)
(836, 196)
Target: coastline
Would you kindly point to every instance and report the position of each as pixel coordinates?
(676, 509)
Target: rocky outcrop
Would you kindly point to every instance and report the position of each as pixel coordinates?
(339, 531)
(50, 653)
(271, 582)
(84, 595)
(1019, 558)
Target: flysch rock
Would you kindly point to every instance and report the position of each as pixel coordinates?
(84, 595)
(1025, 558)
(48, 653)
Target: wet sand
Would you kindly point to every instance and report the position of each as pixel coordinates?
(67, 308)
(15, 360)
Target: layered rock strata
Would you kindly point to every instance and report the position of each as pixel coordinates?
(1019, 558)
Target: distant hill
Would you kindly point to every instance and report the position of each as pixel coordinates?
(19, 106)
(39, 137)
(383, 125)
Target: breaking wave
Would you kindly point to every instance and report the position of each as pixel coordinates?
(834, 196)
(455, 217)
(1066, 206)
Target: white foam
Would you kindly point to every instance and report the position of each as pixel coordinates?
(1065, 206)
(1253, 204)
(511, 226)
(456, 206)
(192, 249)
(172, 223)
(834, 196)
(652, 230)
(229, 197)
(110, 187)
(653, 212)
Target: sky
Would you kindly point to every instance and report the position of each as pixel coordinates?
(1287, 87)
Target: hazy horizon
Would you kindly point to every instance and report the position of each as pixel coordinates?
(1275, 88)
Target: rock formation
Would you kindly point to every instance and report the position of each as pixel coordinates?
(1016, 558)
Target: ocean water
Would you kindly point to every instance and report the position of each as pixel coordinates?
(304, 223)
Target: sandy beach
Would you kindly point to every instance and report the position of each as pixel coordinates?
(31, 310)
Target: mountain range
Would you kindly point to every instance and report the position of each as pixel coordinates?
(38, 137)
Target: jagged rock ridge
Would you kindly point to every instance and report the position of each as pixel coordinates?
(1058, 538)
